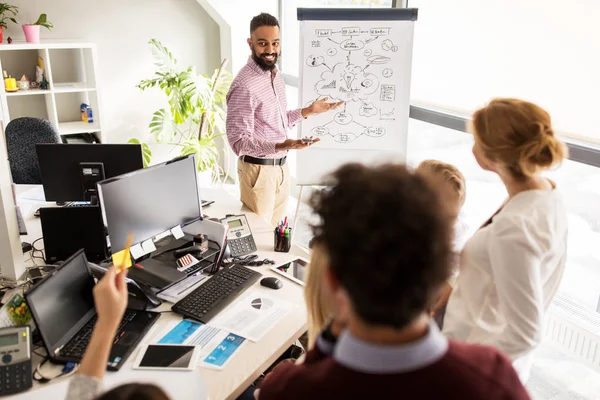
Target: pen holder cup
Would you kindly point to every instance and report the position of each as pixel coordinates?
(282, 243)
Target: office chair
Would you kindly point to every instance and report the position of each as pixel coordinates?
(22, 134)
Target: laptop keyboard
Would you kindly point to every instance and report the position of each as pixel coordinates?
(77, 345)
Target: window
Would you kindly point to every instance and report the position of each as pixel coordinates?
(468, 51)
(290, 29)
(579, 184)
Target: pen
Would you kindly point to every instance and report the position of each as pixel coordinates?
(285, 221)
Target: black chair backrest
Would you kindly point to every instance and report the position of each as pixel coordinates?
(22, 134)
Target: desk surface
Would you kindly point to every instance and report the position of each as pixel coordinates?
(251, 359)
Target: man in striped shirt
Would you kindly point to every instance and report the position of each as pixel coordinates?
(258, 121)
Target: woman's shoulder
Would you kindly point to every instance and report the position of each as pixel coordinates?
(538, 216)
(534, 206)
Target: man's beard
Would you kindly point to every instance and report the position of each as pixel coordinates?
(263, 63)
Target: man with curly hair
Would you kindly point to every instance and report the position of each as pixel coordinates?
(388, 254)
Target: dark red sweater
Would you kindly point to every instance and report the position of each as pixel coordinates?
(465, 372)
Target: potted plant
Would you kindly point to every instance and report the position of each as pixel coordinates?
(195, 115)
(32, 31)
(6, 10)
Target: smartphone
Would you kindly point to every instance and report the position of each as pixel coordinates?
(294, 270)
(167, 357)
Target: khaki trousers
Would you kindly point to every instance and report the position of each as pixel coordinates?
(265, 189)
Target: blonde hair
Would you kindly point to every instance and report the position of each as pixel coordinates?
(518, 134)
(448, 173)
(318, 308)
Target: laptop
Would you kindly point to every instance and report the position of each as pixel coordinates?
(62, 306)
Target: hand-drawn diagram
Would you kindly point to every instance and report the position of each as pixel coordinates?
(359, 65)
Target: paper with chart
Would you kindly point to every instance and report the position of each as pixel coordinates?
(253, 315)
(364, 64)
(217, 346)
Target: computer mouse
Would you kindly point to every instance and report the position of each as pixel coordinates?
(271, 282)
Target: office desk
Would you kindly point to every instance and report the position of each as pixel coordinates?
(251, 359)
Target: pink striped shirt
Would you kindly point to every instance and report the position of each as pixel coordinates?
(257, 116)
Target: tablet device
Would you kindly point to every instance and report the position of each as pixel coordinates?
(167, 357)
(294, 270)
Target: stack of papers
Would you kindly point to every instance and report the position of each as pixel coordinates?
(217, 346)
(253, 315)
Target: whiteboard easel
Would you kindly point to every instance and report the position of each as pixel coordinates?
(363, 57)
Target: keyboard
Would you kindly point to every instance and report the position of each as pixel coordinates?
(216, 293)
(77, 345)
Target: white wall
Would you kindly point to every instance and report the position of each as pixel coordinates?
(545, 51)
(237, 15)
(121, 30)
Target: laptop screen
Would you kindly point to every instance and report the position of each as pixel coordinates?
(60, 302)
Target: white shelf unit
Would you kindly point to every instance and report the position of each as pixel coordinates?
(71, 71)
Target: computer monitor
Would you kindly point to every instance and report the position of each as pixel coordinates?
(70, 172)
(150, 201)
(68, 229)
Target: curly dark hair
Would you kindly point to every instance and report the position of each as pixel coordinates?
(263, 19)
(387, 238)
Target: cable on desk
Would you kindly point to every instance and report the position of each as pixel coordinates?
(215, 268)
(67, 370)
(38, 354)
(35, 250)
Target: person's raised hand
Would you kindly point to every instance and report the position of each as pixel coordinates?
(294, 144)
(110, 297)
(321, 106)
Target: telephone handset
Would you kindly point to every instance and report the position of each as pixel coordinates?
(239, 238)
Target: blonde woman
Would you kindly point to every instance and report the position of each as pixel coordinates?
(512, 266)
(318, 307)
(452, 184)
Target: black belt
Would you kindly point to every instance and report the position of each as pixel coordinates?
(263, 161)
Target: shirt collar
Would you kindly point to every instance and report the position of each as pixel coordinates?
(256, 68)
(362, 356)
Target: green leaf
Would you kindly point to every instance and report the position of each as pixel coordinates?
(162, 127)
(41, 20)
(163, 58)
(146, 152)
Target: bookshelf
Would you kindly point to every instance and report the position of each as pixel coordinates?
(71, 71)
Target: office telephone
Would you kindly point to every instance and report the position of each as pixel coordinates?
(15, 354)
(239, 238)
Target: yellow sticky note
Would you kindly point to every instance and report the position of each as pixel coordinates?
(122, 256)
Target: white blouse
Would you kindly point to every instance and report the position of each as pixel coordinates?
(510, 271)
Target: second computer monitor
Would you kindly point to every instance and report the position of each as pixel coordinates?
(150, 201)
(70, 171)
